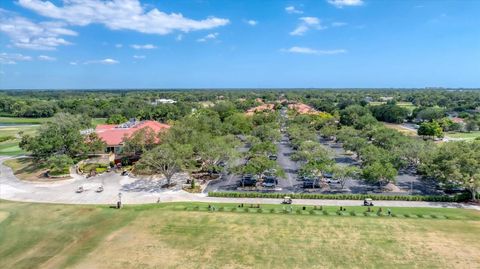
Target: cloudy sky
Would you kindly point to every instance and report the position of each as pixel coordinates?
(239, 43)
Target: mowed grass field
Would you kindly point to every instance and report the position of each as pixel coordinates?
(399, 128)
(186, 235)
(408, 105)
(10, 147)
(465, 136)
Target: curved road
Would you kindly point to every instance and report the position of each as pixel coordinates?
(138, 191)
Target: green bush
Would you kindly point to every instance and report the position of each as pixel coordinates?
(427, 198)
(100, 170)
(97, 167)
(6, 138)
(59, 172)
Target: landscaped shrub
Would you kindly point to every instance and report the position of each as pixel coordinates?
(428, 198)
(6, 138)
(97, 167)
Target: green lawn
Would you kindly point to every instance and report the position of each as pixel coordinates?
(15, 120)
(407, 105)
(466, 136)
(10, 147)
(97, 121)
(186, 235)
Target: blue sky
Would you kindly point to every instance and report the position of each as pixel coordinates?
(238, 44)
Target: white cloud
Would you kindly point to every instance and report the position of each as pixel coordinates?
(293, 10)
(13, 58)
(143, 47)
(338, 24)
(106, 61)
(208, 37)
(307, 23)
(46, 58)
(139, 57)
(26, 34)
(252, 22)
(342, 3)
(73, 63)
(179, 37)
(305, 50)
(310, 20)
(121, 15)
(118, 46)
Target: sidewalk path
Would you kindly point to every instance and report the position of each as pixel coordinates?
(63, 192)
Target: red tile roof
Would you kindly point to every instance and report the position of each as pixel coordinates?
(457, 120)
(303, 108)
(260, 108)
(113, 134)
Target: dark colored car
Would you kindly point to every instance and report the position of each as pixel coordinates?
(308, 184)
(247, 181)
(272, 157)
(270, 181)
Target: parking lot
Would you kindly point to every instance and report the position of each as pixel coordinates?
(407, 181)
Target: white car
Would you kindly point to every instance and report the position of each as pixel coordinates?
(332, 180)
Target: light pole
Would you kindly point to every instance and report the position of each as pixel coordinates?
(119, 203)
(411, 187)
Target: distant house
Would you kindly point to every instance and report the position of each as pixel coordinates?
(113, 134)
(302, 108)
(386, 98)
(457, 120)
(163, 101)
(261, 108)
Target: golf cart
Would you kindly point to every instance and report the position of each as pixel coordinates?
(79, 189)
(368, 202)
(287, 200)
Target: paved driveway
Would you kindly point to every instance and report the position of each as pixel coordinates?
(136, 191)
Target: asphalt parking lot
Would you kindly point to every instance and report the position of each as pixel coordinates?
(407, 181)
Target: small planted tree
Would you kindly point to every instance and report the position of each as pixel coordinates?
(381, 173)
(343, 173)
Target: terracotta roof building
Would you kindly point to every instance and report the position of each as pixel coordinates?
(113, 134)
(261, 108)
(302, 108)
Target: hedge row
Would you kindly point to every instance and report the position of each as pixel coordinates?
(428, 198)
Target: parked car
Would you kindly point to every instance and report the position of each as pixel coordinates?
(332, 180)
(247, 181)
(309, 184)
(306, 177)
(125, 173)
(269, 182)
(327, 175)
(99, 189)
(272, 157)
(80, 189)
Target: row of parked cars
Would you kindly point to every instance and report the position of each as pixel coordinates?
(269, 180)
(310, 181)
